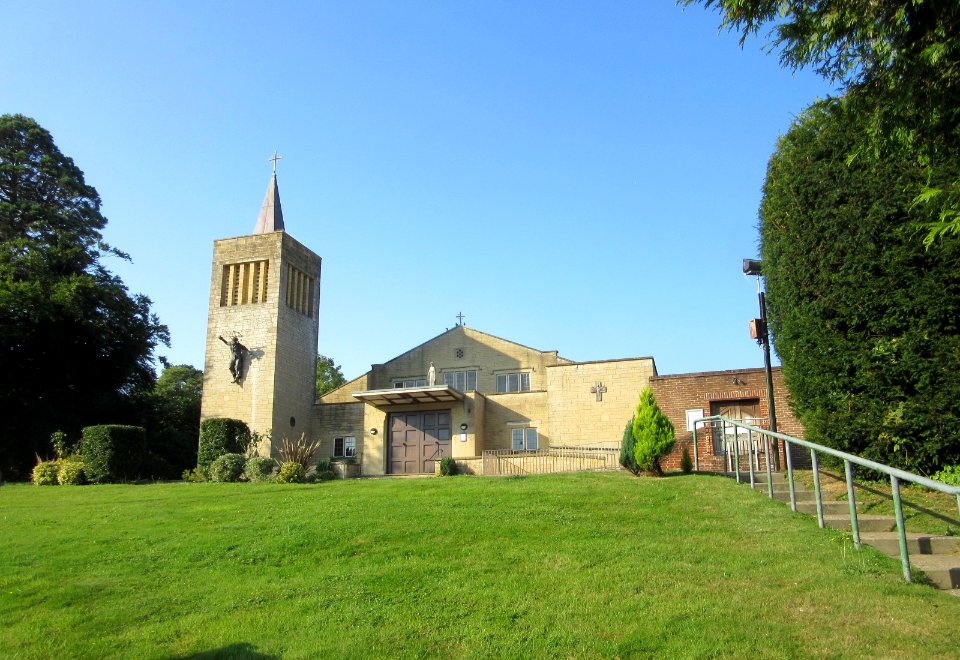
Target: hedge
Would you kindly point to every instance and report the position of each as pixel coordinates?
(112, 452)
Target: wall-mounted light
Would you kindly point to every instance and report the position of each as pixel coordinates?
(463, 427)
(373, 431)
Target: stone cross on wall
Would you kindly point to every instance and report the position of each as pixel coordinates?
(598, 389)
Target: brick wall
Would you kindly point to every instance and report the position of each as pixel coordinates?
(675, 394)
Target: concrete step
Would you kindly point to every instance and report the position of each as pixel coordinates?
(801, 495)
(941, 570)
(829, 508)
(865, 522)
(917, 544)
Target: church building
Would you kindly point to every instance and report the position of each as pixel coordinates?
(463, 393)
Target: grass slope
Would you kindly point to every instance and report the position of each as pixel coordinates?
(564, 565)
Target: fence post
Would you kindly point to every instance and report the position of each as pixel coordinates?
(793, 490)
(696, 454)
(736, 451)
(854, 523)
(901, 529)
(750, 457)
(723, 443)
(766, 453)
(815, 462)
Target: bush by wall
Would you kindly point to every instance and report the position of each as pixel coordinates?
(653, 433)
(227, 468)
(45, 473)
(71, 472)
(112, 452)
(627, 457)
(219, 436)
(259, 468)
(448, 466)
(686, 463)
(291, 473)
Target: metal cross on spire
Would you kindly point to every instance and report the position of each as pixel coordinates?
(275, 157)
(460, 318)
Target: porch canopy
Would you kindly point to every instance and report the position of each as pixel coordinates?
(406, 396)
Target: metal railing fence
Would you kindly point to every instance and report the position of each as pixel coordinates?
(547, 461)
(849, 460)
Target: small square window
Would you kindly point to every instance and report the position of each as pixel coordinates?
(344, 447)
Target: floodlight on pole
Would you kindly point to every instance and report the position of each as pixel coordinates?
(760, 332)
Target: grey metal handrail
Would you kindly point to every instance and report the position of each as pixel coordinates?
(896, 476)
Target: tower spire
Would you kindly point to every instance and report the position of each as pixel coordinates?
(271, 213)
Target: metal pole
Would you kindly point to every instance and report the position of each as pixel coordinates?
(736, 451)
(765, 343)
(854, 524)
(901, 530)
(750, 458)
(723, 442)
(696, 452)
(793, 491)
(816, 486)
(766, 440)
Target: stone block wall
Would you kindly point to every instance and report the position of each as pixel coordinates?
(577, 417)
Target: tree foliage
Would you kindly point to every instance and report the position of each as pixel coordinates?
(75, 346)
(653, 434)
(329, 376)
(898, 66)
(172, 417)
(866, 322)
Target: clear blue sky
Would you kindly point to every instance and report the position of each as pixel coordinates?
(574, 176)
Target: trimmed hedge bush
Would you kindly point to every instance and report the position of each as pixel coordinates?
(71, 473)
(112, 452)
(448, 466)
(653, 433)
(45, 473)
(259, 469)
(219, 436)
(227, 468)
(627, 457)
(291, 473)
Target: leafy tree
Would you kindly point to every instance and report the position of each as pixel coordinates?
(75, 346)
(653, 434)
(172, 417)
(864, 319)
(329, 376)
(898, 66)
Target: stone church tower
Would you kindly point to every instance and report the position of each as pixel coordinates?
(262, 328)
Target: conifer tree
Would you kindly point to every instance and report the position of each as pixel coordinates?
(653, 434)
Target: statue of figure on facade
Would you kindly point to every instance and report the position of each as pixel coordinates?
(431, 376)
(238, 352)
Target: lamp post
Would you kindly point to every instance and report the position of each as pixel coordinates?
(760, 332)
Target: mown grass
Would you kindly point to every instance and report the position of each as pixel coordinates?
(584, 565)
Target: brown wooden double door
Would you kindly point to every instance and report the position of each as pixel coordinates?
(417, 439)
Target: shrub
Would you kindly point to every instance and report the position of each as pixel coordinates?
(59, 441)
(949, 475)
(45, 473)
(227, 468)
(653, 433)
(71, 473)
(627, 457)
(300, 451)
(259, 468)
(686, 463)
(291, 473)
(324, 465)
(112, 452)
(448, 466)
(219, 436)
(193, 475)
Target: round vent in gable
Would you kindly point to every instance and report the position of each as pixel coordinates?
(459, 353)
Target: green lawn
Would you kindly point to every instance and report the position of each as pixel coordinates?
(585, 565)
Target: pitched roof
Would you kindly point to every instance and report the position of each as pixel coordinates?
(271, 213)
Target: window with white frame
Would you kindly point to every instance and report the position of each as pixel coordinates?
(514, 382)
(465, 381)
(344, 447)
(410, 382)
(526, 439)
